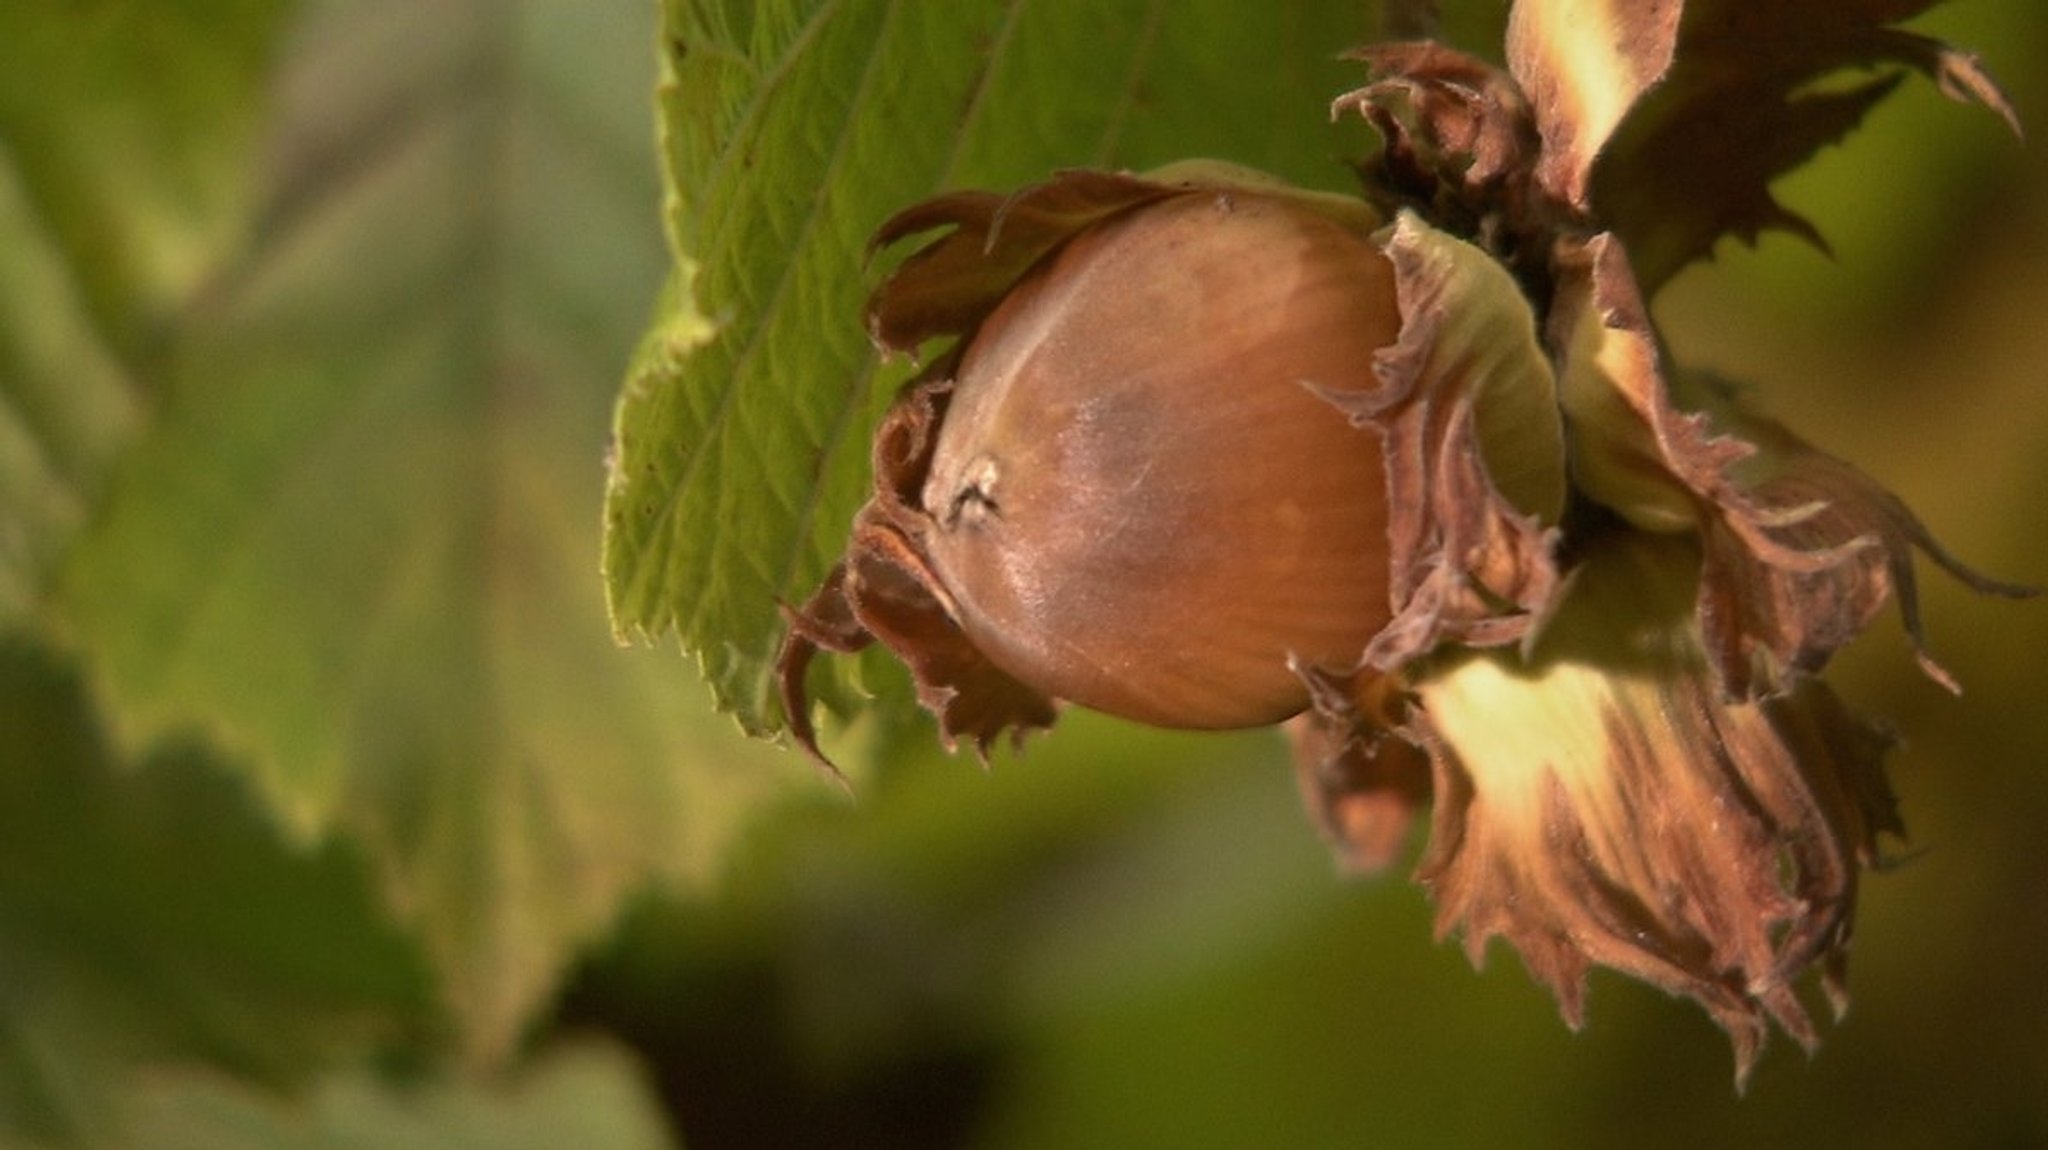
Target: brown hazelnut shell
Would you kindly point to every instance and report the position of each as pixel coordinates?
(1142, 499)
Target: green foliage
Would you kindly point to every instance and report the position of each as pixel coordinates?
(129, 128)
(68, 403)
(583, 1096)
(792, 129)
(153, 911)
(152, 914)
(124, 140)
(310, 319)
(358, 534)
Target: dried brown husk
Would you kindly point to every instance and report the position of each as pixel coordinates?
(1467, 411)
(1688, 804)
(1601, 802)
(883, 590)
(1661, 121)
(1801, 550)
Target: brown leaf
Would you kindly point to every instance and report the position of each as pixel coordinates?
(947, 286)
(1583, 64)
(1694, 157)
(1362, 784)
(825, 623)
(1801, 550)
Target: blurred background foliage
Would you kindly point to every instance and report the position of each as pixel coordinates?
(331, 815)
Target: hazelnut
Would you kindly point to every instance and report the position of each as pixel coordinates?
(1139, 500)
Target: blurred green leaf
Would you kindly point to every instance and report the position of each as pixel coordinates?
(129, 129)
(67, 402)
(588, 1097)
(155, 914)
(125, 134)
(791, 129)
(359, 539)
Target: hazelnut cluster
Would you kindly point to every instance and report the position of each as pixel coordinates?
(1412, 473)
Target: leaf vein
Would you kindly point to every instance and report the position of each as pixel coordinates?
(757, 106)
(1141, 59)
(745, 359)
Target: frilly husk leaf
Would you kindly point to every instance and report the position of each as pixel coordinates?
(1467, 409)
(1664, 121)
(1801, 550)
(1459, 142)
(949, 285)
(1362, 785)
(1466, 405)
(1583, 64)
(1602, 803)
(883, 590)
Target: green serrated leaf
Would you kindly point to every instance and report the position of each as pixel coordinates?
(791, 129)
(358, 539)
(155, 914)
(590, 1097)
